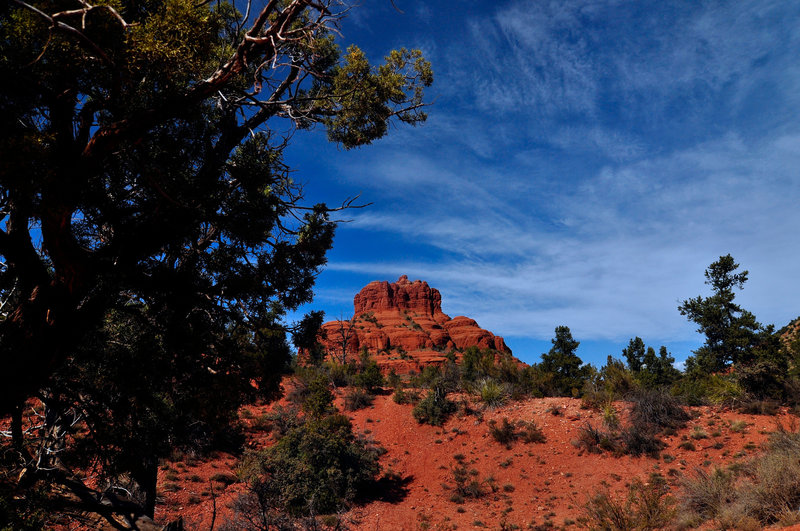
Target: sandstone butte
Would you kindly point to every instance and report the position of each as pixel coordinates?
(402, 325)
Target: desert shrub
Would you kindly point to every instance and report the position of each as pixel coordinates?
(401, 396)
(434, 409)
(706, 493)
(340, 374)
(646, 506)
(723, 390)
(393, 379)
(610, 416)
(466, 484)
(531, 433)
(319, 400)
(764, 492)
(594, 440)
(281, 419)
(316, 468)
(657, 408)
(636, 442)
(760, 407)
(429, 378)
(505, 434)
(492, 393)
(356, 399)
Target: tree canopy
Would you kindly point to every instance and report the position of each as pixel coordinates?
(731, 332)
(151, 236)
(567, 368)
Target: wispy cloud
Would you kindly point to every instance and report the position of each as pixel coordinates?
(586, 160)
(638, 239)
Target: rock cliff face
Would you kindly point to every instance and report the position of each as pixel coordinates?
(402, 325)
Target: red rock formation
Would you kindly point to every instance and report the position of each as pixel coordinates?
(402, 325)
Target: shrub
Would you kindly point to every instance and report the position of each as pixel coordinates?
(340, 374)
(706, 493)
(434, 409)
(466, 484)
(369, 375)
(638, 442)
(646, 506)
(505, 434)
(402, 396)
(657, 408)
(492, 393)
(723, 390)
(760, 407)
(357, 399)
(531, 433)
(319, 401)
(282, 419)
(594, 440)
(316, 468)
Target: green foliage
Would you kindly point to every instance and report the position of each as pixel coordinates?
(356, 399)
(569, 373)
(319, 400)
(368, 375)
(492, 393)
(317, 468)
(155, 239)
(362, 111)
(435, 408)
(732, 334)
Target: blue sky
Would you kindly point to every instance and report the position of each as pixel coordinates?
(582, 164)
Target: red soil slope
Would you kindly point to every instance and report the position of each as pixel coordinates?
(535, 483)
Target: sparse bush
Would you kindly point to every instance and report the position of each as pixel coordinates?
(434, 409)
(610, 416)
(401, 396)
(646, 506)
(505, 434)
(657, 408)
(760, 407)
(531, 433)
(356, 399)
(738, 426)
(638, 442)
(280, 420)
(706, 493)
(595, 441)
(466, 484)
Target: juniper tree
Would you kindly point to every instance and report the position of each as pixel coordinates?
(143, 196)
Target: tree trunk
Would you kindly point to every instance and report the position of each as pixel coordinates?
(16, 427)
(148, 480)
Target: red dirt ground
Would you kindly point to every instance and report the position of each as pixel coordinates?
(536, 483)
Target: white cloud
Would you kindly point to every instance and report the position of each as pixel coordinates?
(639, 239)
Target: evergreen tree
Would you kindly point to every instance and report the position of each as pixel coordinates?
(732, 333)
(561, 360)
(153, 238)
